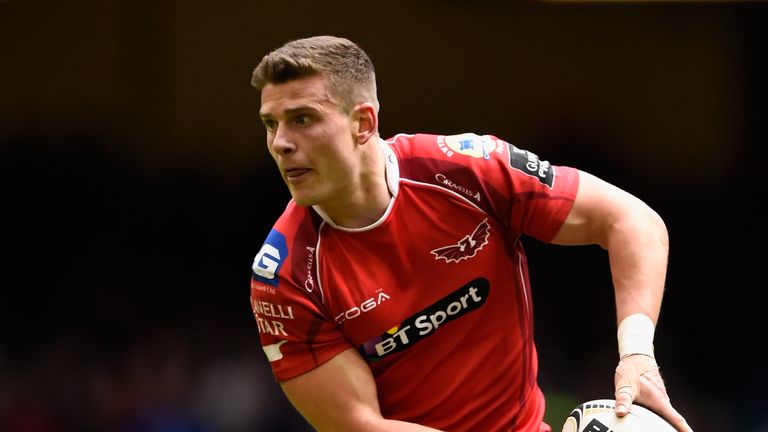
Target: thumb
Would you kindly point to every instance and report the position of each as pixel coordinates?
(624, 401)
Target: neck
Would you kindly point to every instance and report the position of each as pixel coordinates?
(368, 196)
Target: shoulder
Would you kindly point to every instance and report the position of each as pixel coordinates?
(501, 179)
(294, 231)
(485, 156)
(461, 149)
(430, 158)
(296, 219)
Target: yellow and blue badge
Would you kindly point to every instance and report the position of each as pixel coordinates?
(471, 145)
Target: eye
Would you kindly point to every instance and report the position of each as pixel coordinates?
(302, 120)
(270, 124)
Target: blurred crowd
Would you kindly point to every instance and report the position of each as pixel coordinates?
(172, 380)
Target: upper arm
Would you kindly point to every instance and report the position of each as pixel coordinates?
(601, 209)
(338, 395)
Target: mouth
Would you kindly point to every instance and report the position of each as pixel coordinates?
(295, 174)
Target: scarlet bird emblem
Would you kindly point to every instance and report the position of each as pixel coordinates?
(466, 247)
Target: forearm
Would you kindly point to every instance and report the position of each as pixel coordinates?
(369, 423)
(384, 425)
(638, 249)
(340, 395)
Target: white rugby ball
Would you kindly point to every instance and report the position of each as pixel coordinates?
(598, 416)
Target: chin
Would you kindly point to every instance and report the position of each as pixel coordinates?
(302, 200)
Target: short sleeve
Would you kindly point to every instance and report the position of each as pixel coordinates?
(540, 194)
(295, 330)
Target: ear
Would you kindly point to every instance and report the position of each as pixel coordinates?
(366, 122)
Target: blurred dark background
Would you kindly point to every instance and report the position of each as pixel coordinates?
(136, 190)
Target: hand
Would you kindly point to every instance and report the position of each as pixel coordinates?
(638, 380)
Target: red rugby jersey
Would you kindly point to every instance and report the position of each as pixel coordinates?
(434, 295)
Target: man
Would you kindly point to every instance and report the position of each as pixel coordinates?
(393, 294)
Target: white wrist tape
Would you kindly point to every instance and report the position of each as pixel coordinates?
(635, 335)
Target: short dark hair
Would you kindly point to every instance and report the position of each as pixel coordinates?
(348, 69)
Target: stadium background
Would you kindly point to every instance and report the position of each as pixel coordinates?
(136, 189)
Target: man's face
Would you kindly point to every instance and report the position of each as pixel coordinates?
(310, 139)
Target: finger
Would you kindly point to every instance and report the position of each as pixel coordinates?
(674, 418)
(681, 425)
(626, 390)
(623, 401)
(653, 390)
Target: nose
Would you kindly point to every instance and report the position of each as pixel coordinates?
(282, 142)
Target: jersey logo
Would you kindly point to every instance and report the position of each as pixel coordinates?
(423, 324)
(468, 144)
(270, 258)
(529, 163)
(365, 306)
(443, 180)
(466, 247)
(273, 351)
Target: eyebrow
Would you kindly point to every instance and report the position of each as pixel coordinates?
(293, 111)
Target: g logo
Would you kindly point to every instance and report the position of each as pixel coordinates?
(267, 261)
(270, 258)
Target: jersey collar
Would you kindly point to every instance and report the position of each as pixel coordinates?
(392, 168)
